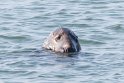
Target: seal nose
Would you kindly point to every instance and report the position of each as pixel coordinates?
(68, 48)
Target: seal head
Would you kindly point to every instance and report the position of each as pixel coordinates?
(62, 40)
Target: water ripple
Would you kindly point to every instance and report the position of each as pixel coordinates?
(24, 24)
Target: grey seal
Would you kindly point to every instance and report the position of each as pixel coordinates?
(62, 40)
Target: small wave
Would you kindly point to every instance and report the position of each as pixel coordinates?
(11, 72)
(18, 38)
(91, 42)
(116, 28)
(77, 25)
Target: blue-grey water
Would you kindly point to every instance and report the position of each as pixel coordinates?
(24, 24)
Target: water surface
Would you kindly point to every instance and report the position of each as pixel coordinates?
(24, 24)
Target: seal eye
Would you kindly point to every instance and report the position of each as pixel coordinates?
(58, 37)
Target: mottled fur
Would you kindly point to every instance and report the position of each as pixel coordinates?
(62, 40)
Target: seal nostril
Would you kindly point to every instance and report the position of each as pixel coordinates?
(70, 50)
(66, 50)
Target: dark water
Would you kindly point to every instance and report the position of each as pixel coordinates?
(24, 24)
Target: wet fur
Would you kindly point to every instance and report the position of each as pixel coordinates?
(62, 40)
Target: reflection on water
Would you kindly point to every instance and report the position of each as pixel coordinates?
(25, 24)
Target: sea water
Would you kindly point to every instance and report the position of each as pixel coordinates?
(24, 25)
